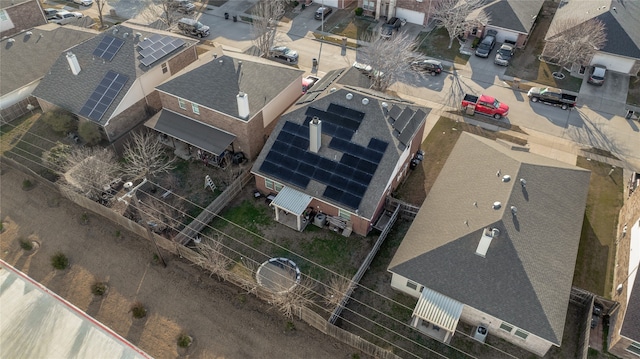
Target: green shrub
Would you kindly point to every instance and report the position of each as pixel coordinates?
(359, 11)
(25, 244)
(98, 288)
(60, 121)
(89, 133)
(27, 184)
(59, 261)
(184, 340)
(138, 310)
(475, 42)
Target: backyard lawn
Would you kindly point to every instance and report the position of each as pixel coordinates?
(436, 44)
(595, 263)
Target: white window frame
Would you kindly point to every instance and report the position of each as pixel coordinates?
(195, 108)
(165, 68)
(412, 285)
(278, 186)
(504, 325)
(344, 214)
(181, 103)
(634, 348)
(273, 185)
(521, 334)
(369, 5)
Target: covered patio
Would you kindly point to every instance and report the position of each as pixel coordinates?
(210, 144)
(292, 208)
(436, 315)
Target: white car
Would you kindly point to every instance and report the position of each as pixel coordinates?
(64, 17)
(84, 2)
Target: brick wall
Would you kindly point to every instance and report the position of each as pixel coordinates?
(182, 60)
(24, 16)
(126, 120)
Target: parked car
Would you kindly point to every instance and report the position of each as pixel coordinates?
(285, 53)
(64, 17)
(50, 13)
(322, 12)
(487, 44)
(84, 2)
(183, 6)
(486, 105)
(552, 96)
(504, 55)
(387, 29)
(596, 75)
(367, 69)
(193, 27)
(431, 66)
(308, 82)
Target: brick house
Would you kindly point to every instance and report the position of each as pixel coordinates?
(494, 245)
(337, 155)
(223, 105)
(19, 15)
(513, 20)
(414, 11)
(110, 79)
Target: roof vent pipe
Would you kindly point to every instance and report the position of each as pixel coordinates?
(11, 41)
(125, 35)
(349, 96)
(73, 63)
(28, 33)
(243, 105)
(315, 134)
(523, 182)
(514, 210)
(365, 101)
(506, 178)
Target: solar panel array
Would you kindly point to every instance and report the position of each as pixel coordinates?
(320, 86)
(103, 95)
(346, 179)
(157, 47)
(108, 47)
(405, 122)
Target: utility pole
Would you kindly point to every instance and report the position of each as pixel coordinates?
(132, 194)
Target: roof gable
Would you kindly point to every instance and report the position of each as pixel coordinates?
(540, 224)
(513, 15)
(72, 92)
(216, 83)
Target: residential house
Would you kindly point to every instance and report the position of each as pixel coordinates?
(26, 57)
(625, 329)
(19, 15)
(513, 20)
(339, 4)
(414, 11)
(110, 79)
(338, 154)
(621, 52)
(224, 104)
(494, 245)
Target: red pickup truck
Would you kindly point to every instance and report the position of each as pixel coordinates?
(486, 105)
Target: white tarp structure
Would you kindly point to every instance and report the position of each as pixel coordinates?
(37, 323)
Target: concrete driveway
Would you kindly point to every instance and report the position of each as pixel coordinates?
(609, 98)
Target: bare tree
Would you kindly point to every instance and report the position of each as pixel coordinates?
(454, 15)
(212, 258)
(100, 7)
(56, 157)
(264, 25)
(88, 170)
(164, 11)
(574, 41)
(336, 289)
(295, 299)
(389, 59)
(163, 213)
(145, 156)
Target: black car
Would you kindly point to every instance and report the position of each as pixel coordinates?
(487, 44)
(50, 13)
(285, 53)
(431, 66)
(387, 28)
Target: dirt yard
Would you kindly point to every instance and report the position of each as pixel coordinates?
(223, 320)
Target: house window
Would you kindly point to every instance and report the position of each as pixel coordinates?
(369, 5)
(3, 15)
(279, 186)
(165, 68)
(521, 333)
(273, 185)
(634, 348)
(506, 327)
(344, 214)
(412, 285)
(181, 104)
(195, 108)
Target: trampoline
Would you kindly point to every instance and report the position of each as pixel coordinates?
(279, 275)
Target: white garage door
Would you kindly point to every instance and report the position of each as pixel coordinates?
(411, 16)
(504, 35)
(613, 63)
(331, 3)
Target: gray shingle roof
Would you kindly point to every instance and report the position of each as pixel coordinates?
(632, 315)
(7, 3)
(621, 20)
(29, 57)
(526, 276)
(216, 83)
(374, 125)
(71, 92)
(517, 15)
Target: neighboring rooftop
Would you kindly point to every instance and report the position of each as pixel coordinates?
(522, 275)
(215, 83)
(514, 15)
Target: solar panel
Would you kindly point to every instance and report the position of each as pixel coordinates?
(306, 169)
(362, 177)
(344, 133)
(346, 112)
(367, 167)
(150, 41)
(299, 180)
(108, 47)
(344, 170)
(349, 160)
(339, 144)
(377, 145)
(274, 157)
(299, 142)
(270, 168)
(356, 188)
(327, 164)
(289, 127)
(351, 200)
(338, 181)
(372, 156)
(157, 47)
(403, 120)
(395, 112)
(329, 129)
(104, 94)
(322, 176)
(310, 158)
(280, 147)
(333, 193)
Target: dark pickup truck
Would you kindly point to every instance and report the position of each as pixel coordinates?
(552, 96)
